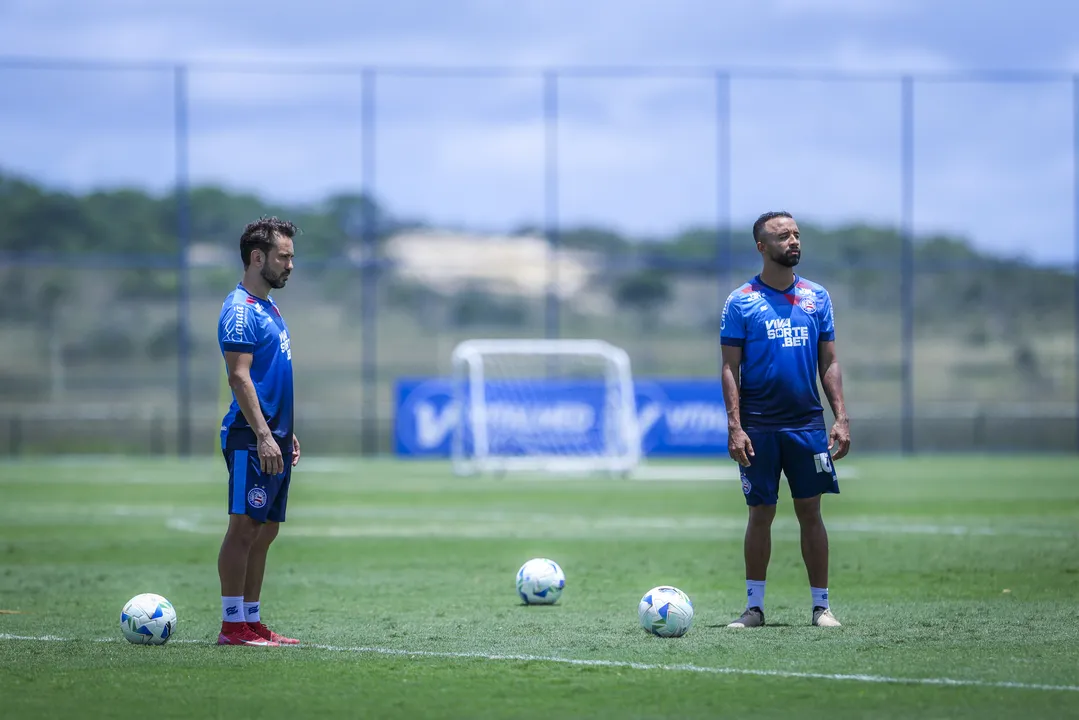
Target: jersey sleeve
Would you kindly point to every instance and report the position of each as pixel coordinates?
(827, 322)
(732, 326)
(236, 331)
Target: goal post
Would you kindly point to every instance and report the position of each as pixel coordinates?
(543, 405)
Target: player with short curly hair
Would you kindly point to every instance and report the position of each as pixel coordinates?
(778, 335)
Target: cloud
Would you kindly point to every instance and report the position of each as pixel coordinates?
(637, 154)
(406, 32)
(845, 8)
(855, 55)
(1071, 60)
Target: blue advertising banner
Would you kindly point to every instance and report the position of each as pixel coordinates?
(677, 418)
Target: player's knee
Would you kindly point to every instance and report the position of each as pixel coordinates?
(807, 510)
(242, 530)
(762, 515)
(268, 532)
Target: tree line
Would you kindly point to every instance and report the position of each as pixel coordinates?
(952, 273)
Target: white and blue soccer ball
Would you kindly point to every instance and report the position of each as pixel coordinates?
(540, 581)
(148, 619)
(666, 611)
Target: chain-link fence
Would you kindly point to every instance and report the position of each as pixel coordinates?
(442, 204)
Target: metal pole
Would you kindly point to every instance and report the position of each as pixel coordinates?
(550, 186)
(183, 237)
(724, 251)
(368, 271)
(907, 263)
(1075, 212)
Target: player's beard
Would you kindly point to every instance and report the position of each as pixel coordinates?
(787, 259)
(275, 281)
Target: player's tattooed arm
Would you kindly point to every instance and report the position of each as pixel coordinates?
(831, 377)
(738, 444)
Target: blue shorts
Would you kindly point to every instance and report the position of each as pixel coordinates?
(801, 455)
(253, 493)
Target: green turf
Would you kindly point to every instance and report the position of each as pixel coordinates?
(942, 568)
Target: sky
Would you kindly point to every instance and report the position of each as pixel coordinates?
(993, 162)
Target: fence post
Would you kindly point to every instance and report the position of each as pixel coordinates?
(550, 191)
(724, 251)
(368, 270)
(1075, 211)
(183, 237)
(907, 263)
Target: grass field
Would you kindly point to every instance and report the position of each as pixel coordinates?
(956, 579)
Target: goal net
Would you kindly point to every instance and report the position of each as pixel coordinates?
(552, 406)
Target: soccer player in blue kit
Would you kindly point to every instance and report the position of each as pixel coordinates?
(777, 335)
(257, 437)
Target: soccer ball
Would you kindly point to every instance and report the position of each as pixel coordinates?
(148, 619)
(540, 582)
(665, 611)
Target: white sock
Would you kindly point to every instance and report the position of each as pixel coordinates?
(755, 594)
(232, 608)
(820, 597)
(251, 612)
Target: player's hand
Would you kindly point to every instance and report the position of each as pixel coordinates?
(839, 439)
(270, 458)
(295, 451)
(739, 447)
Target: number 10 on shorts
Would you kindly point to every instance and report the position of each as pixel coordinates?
(823, 463)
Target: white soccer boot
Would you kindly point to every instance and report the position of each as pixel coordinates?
(823, 617)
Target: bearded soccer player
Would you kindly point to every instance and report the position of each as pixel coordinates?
(257, 437)
(777, 336)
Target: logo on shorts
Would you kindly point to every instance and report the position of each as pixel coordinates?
(745, 484)
(256, 497)
(823, 461)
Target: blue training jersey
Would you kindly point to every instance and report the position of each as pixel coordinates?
(778, 331)
(249, 324)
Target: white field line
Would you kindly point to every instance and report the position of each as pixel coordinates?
(422, 521)
(712, 470)
(622, 664)
(396, 522)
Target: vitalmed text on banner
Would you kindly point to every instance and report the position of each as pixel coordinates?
(677, 417)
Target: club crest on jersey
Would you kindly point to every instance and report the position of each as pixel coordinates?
(256, 497)
(808, 305)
